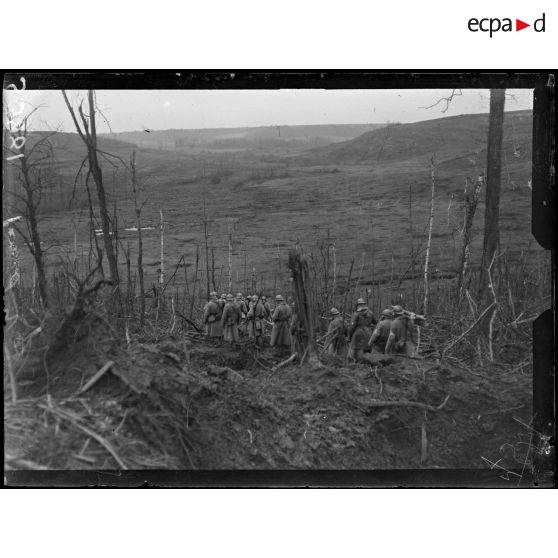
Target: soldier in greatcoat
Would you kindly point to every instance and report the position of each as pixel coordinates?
(256, 315)
(230, 320)
(212, 318)
(335, 338)
(380, 336)
(222, 302)
(281, 334)
(243, 309)
(400, 340)
(267, 308)
(360, 330)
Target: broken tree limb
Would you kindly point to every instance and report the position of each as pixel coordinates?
(379, 380)
(284, 363)
(69, 417)
(14, 463)
(189, 321)
(455, 341)
(105, 368)
(408, 404)
(423, 443)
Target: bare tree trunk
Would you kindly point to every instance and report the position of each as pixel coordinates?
(32, 179)
(429, 242)
(230, 258)
(98, 179)
(89, 137)
(137, 208)
(37, 252)
(213, 284)
(205, 234)
(334, 283)
(493, 184)
(344, 310)
(192, 300)
(411, 243)
(305, 309)
(471, 201)
(162, 262)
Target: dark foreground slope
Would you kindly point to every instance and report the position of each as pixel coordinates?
(172, 405)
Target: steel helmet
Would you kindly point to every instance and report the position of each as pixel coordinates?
(213, 293)
(230, 297)
(397, 310)
(238, 295)
(334, 312)
(255, 298)
(388, 313)
(361, 301)
(279, 298)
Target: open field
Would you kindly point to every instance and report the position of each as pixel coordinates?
(370, 194)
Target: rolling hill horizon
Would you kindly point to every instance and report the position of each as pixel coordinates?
(299, 136)
(446, 137)
(358, 190)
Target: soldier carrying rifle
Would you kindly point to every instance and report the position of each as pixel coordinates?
(230, 320)
(267, 308)
(212, 318)
(256, 315)
(381, 333)
(281, 333)
(335, 337)
(243, 309)
(401, 339)
(360, 330)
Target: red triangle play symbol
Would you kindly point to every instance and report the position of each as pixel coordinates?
(519, 25)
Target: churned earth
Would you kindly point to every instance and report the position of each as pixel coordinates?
(180, 404)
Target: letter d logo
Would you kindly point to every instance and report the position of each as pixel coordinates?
(539, 24)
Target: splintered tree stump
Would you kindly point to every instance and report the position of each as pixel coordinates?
(305, 315)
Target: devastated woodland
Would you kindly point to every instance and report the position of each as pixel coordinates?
(111, 250)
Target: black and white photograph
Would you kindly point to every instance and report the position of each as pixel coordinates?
(342, 276)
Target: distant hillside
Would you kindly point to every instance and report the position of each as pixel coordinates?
(245, 138)
(448, 138)
(69, 148)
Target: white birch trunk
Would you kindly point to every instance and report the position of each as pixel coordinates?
(162, 274)
(429, 243)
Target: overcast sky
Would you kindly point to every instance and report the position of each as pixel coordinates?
(164, 109)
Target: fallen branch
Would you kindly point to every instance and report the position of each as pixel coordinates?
(379, 380)
(423, 443)
(408, 404)
(284, 363)
(90, 460)
(350, 402)
(94, 435)
(96, 377)
(14, 463)
(503, 410)
(455, 341)
(304, 355)
(188, 321)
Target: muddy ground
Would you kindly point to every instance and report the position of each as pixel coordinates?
(180, 404)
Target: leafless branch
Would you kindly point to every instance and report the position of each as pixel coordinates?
(73, 115)
(447, 100)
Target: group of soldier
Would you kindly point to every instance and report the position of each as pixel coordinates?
(229, 318)
(392, 334)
